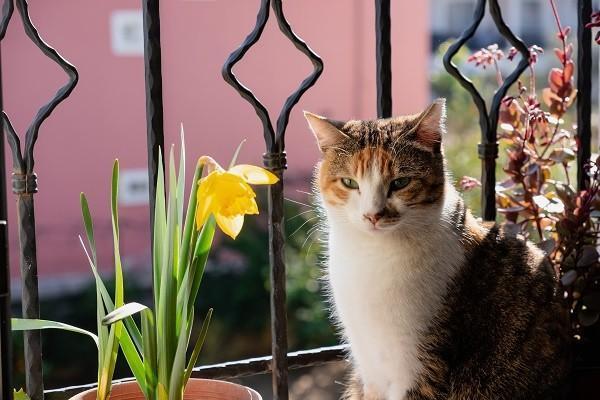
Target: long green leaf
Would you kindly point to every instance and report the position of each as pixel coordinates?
(21, 324)
(197, 347)
(181, 185)
(150, 355)
(167, 313)
(136, 336)
(189, 231)
(133, 360)
(108, 367)
(200, 256)
(160, 229)
(104, 302)
(100, 303)
(177, 370)
(119, 314)
(123, 313)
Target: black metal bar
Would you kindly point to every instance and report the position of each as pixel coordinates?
(275, 160)
(6, 385)
(383, 56)
(24, 186)
(30, 298)
(488, 121)
(243, 368)
(230, 78)
(278, 290)
(584, 88)
(154, 96)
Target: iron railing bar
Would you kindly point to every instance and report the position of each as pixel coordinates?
(488, 149)
(278, 302)
(488, 120)
(275, 160)
(24, 185)
(154, 98)
(7, 11)
(584, 87)
(6, 385)
(230, 77)
(453, 70)
(383, 55)
(307, 83)
(247, 367)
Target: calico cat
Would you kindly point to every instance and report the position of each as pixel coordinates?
(433, 304)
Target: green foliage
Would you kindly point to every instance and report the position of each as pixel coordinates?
(20, 395)
(179, 257)
(460, 142)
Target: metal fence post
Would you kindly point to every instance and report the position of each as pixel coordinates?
(154, 97)
(275, 160)
(24, 182)
(5, 300)
(584, 89)
(383, 56)
(488, 120)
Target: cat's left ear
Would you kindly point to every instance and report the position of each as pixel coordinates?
(430, 126)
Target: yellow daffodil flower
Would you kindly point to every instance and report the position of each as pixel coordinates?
(228, 196)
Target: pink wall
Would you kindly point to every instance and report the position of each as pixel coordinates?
(105, 116)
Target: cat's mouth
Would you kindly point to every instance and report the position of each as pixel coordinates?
(384, 224)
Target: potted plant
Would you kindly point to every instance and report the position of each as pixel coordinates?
(182, 239)
(181, 244)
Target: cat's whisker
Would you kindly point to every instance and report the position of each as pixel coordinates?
(299, 214)
(297, 202)
(303, 224)
(312, 230)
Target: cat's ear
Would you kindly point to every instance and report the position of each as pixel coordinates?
(430, 126)
(326, 131)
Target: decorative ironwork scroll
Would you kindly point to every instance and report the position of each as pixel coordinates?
(488, 121)
(275, 160)
(24, 182)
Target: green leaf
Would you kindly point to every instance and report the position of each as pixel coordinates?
(197, 347)
(166, 316)
(112, 345)
(189, 231)
(21, 324)
(562, 155)
(20, 395)
(89, 227)
(160, 228)
(123, 312)
(181, 185)
(150, 353)
(201, 251)
(236, 154)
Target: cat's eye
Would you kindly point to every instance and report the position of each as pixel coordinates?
(350, 183)
(399, 183)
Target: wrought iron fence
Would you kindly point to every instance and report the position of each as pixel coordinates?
(24, 178)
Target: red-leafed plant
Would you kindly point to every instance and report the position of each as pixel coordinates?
(536, 198)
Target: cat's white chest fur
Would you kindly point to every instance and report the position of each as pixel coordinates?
(386, 291)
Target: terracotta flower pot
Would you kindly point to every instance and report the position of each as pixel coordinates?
(197, 389)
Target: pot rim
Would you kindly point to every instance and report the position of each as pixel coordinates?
(254, 393)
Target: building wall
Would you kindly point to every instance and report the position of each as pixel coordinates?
(105, 116)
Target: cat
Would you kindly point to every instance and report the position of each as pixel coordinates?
(433, 304)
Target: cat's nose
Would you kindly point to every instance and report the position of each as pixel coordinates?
(373, 218)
